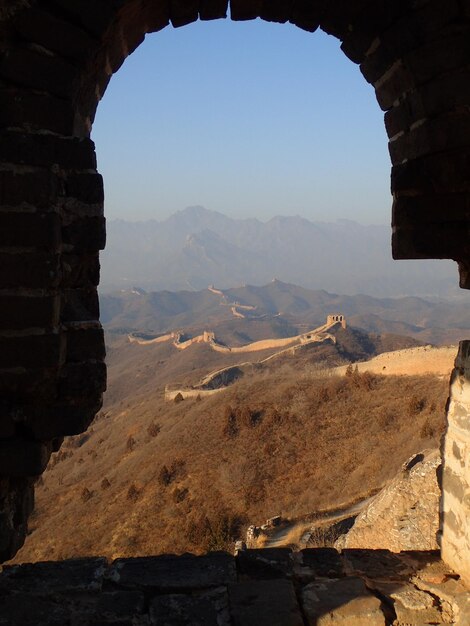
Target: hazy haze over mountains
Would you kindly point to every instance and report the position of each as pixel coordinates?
(196, 247)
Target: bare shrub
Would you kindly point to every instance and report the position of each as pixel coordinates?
(130, 444)
(254, 493)
(179, 495)
(164, 476)
(178, 398)
(428, 430)
(133, 493)
(153, 429)
(323, 537)
(323, 395)
(231, 429)
(416, 405)
(249, 417)
(176, 470)
(105, 484)
(216, 531)
(86, 494)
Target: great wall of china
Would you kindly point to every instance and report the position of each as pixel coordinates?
(219, 379)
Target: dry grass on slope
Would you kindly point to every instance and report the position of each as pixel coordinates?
(180, 477)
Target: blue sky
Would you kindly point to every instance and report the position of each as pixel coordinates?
(247, 118)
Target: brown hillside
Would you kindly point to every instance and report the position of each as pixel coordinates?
(150, 477)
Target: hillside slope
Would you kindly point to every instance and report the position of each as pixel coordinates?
(150, 477)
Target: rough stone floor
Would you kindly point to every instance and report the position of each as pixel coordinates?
(274, 587)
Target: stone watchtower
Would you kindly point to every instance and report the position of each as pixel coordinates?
(336, 318)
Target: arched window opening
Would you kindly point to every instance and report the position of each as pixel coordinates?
(251, 131)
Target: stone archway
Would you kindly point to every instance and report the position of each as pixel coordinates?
(56, 59)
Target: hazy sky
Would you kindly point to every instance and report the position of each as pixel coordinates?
(246, 118)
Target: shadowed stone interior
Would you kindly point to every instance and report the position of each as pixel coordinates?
(256, 588)
(56, 59)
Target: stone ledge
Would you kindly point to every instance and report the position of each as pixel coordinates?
(255, 588)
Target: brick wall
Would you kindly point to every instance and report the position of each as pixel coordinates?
(56, 59)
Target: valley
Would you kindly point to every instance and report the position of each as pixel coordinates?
(289, 435)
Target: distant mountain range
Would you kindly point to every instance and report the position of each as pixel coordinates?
(280, 310)
(196, 247)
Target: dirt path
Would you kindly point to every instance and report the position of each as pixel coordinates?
(294, 532)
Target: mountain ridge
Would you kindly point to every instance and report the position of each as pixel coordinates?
(195, 247)
(279, 308)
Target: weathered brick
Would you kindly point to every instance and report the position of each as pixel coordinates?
(403, 114)
(23, 458)
(33, 351)
(210, 608)
(82, 380)
(29, 68)
(436, 173)
(87, 188)
(264, 602)
(412, 211)
(446, 132)
(416, 28)
(439, 57)
(447, 93)
(86, 234)
(276, 10)
(38, 230)
(265, 564)
(62, 419)
(305, 15)
(374, 19)
(133, 26)
(55, 34)
(80, 305)
(321, 563)
(47, 150)
(464, 274)
(449, 241)
(393, 85)
(29, 610)
(343, 601)
(94, 17)
(183, 12)
(71, 576)
(7, 423)
(156, 15)
(80, 270)
(85, 345)
(20, 108)
(213, 9)
(39, 189)
(170, 573)
(340, 17)
(29, 269)
(16, 503)
(18, 312)
(21, 385)
(245, 9)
